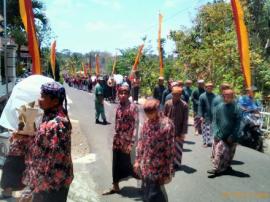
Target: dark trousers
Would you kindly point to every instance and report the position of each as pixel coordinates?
(52, 195)
(153, 192)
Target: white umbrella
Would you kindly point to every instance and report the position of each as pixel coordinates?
(26, 91)
(118, 78)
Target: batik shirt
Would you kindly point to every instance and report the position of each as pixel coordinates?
(126, 120)
(156, 151)
(49, 161)
(18, 147)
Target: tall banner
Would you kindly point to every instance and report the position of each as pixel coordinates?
(85, 69)
(137, 59)
(114, 65)
(52, 57)
(27, 16)
(97, 65)
(243, 42)
(161, 70)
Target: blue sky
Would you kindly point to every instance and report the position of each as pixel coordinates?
(108, 25)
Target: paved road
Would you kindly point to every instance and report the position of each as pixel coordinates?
(250, 181)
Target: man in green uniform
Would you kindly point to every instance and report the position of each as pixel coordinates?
(99, 102)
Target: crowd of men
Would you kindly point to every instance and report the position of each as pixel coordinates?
(43, 163)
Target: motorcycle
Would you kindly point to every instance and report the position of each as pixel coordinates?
(252, 135)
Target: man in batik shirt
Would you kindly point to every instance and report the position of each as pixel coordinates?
(226, 128)
(49, 164)
(126, 121)
(155, 153)
(177, 110)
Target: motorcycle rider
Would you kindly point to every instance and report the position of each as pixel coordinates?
(247, 102)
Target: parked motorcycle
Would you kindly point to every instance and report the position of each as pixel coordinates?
(252, 136)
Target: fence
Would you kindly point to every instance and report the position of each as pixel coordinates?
(265, 126)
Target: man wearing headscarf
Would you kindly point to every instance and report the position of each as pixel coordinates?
(195, 102)
(177, 110)
(49, 165)
(187, 89)
(226, 128)
(158, 90)
(126, 121)
(205, 110)
(155, 153)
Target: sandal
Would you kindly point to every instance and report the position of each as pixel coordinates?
(111, 191)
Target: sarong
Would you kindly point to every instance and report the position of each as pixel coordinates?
(178, 152)
(206, 133)
(122, 167)
(223, 155)
(198, 124)
(13, 170)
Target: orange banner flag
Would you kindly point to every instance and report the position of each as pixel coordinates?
(161, 70)
(27, 16)
(243, 41)
(85, 69)
(97, 65)
(138, 57)
(53, 57)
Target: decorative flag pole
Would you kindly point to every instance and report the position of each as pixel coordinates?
(97, 65)
(161, 69)
(137, 59)
(85, 69)
(243, 42)
(27, 16)
(114, 65)
(53, 56)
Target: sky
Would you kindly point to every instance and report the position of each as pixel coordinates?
(109, 25)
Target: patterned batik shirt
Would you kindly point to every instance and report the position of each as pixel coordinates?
(49, 164)
(126, 120)
(19, 146)
(156, 151)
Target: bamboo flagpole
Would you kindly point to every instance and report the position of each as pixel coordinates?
(26, 12)
(137, 59)
(114, 65)
(97, 65)
(243, 41)
(161, 69)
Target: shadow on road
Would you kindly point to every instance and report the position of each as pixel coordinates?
(234, 173)
(187, 150)
(188, 169)
(131, 192)
(235, 162)
(189, 142)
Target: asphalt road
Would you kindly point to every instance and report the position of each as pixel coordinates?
(250, 180)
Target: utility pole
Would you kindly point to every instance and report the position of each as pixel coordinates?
(5, 44)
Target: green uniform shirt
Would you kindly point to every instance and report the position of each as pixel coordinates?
(226, 121)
